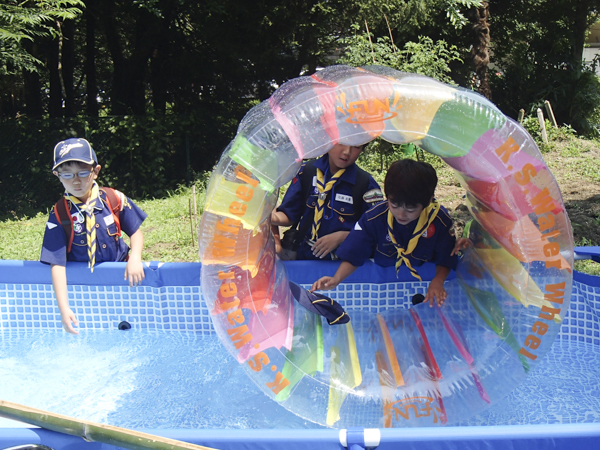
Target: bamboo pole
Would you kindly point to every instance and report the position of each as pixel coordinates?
(192, 223)
(550, 113)
(521, 116)
(540, 116)
(91, 431)
(390, 31)
(370, 41)
(195, 206)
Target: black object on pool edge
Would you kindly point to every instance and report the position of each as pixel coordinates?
(124, 325)
(417, 298)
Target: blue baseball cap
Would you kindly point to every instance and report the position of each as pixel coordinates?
(74, 149)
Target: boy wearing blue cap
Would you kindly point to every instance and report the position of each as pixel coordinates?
(410, 228)
(325, 199)
(89, 227)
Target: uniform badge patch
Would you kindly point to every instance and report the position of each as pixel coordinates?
(373, 196)
(429, 232)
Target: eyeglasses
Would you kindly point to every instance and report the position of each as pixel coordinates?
(71, 175)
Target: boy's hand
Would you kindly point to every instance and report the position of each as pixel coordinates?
(461, 244)
(436, 292)
(328, 243)
(134, 272)
(324, 284)
(66, 318)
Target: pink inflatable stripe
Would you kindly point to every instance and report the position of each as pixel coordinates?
(455, 340)
(428, 351)
(290, 129)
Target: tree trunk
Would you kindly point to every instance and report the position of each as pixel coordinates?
(480, 52)
(128, 94)
(91, 85)
(582, 24)
(55, 98)
(33, 87)
(68, 67)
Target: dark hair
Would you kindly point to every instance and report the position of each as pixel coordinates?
(411, 183)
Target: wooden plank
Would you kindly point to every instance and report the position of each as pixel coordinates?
(91, 431)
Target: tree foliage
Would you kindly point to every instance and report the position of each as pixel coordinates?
(537, 49)
(423, 57)
(149, 64)
(26, 22)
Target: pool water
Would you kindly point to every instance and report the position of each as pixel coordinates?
(144, 379)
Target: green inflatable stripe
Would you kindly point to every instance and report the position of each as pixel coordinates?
(486, 305)
(457, 125)
(306, 357)
(260, 161)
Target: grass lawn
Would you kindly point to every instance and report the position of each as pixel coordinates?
(170, 231)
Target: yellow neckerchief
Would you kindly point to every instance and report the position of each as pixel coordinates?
(323, 191)
(90, 222)
(427, 216)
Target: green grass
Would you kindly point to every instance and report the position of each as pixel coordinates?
(168, 235)
(171, 233)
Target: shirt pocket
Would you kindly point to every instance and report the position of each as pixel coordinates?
(311, 201)
(342, 205)
(423, 252)
(111, 230)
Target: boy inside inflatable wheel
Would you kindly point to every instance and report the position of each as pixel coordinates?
(410, 228)
(323, 202)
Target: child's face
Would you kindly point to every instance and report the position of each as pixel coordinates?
(405, 214)
(343, 156)
(78, 186)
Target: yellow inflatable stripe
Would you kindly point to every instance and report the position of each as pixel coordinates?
(356, 373)
(231, 199)
(345, 372)
(512, 276)
(415, 110)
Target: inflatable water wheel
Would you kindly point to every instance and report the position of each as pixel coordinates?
(400, 367)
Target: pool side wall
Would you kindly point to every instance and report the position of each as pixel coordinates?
(171, 299)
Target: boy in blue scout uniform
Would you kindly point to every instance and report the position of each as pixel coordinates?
(95, 232)
(410, 228)
(329, 213)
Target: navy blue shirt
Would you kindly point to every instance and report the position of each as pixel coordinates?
(338, 213)
(109, 247)
(371, 233)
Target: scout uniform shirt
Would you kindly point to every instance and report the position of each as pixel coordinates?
(371, 232)
(54, 247)
(338, 214)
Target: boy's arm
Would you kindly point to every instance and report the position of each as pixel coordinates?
(59, 282)
(280, 218)
(134, 270)
(326, 283)
(436, 291)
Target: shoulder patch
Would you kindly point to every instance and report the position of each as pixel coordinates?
(51, 225)
(373, 196)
